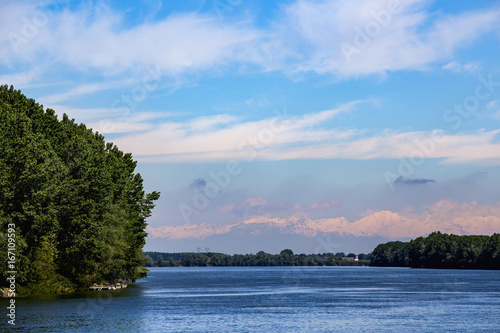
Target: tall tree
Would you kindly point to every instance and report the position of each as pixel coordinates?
(79, 208)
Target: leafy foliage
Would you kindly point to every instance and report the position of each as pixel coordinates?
(285, 258)
(79, 209)
(441, 251)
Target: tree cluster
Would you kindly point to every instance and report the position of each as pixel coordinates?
(441, 251)
(285, 258)
(78, 208)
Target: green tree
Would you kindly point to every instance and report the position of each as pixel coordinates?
(78, 206)
(441, 251)
(287, 258)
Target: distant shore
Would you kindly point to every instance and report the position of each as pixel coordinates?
(441, 251)
(285, 258)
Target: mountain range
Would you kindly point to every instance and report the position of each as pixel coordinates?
(304, 234)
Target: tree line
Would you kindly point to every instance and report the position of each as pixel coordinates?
(285, 258)
(73, 202)
(440, 250)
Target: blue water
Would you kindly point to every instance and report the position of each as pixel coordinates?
(277, 299)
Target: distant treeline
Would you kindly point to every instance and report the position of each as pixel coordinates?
(440, 251)
(285, 258)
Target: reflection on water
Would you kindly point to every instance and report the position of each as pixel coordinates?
(279, 299)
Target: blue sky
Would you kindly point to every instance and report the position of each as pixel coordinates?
(314, 109)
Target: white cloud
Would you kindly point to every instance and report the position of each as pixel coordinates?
(21, 79)
(80, 90)
(179, 43)
(210, 122)
(259, 201)
(493, 104)
(94, 37)
(455, 67)
(113, 127)
(155, 137)
(255, 206)
(84, 115)
(11, 25)
(316, 206)
(187, 231)
(493, 108)
(445, 216)
(222, 137)
(305, 36)
(123, 121)
(352, 38)
(114, 120)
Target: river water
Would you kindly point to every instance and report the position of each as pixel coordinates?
(276, 299)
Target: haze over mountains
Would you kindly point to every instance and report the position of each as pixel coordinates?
(330, 234)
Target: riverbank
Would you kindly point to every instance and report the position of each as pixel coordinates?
(285, 258)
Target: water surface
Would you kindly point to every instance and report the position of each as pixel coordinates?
(277, 299)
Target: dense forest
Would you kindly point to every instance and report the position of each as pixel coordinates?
(441, 251)
(70, 201)
(285, 258)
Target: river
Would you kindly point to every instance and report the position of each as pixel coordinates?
(276, 299)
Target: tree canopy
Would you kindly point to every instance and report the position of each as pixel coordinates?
(441, 251)
(78, 207)
(261, 258)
